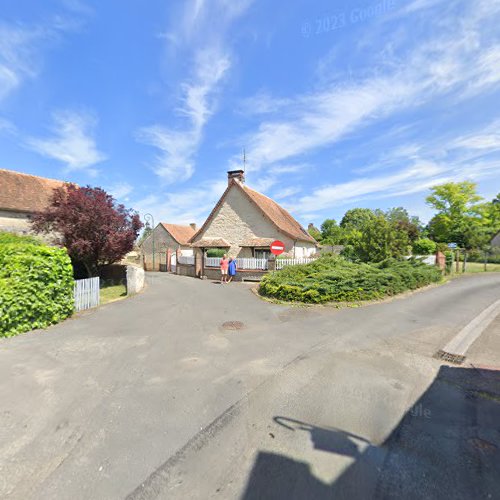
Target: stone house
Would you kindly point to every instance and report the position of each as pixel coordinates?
(495, 242)
(170, 242)
(21, 195)
(245, 223)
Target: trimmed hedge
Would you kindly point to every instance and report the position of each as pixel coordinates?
(36, 286)
(332, 278)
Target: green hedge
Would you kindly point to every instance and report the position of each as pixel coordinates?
(336, 279)
(216, 252)
(36, 286)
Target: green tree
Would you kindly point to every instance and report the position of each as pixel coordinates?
(314, 232)
(331, 233)
(424, 246)
(145, 234)
(402, 220)
(380, 239)
(357, 218)
(458, 213)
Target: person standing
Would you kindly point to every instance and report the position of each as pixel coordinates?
(231, 270)
(224, 264)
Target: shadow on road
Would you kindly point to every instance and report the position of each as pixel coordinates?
(446, 446)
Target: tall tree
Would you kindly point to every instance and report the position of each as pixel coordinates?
(402, 220)
(458, 210)
(87, 221)
(331, 233)
(356, 218)
(381, 239)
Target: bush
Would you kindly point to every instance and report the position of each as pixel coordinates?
(18, 239)
(216, 252)
(36, 286)
(333, 278)
(479, 256)
(424, 246)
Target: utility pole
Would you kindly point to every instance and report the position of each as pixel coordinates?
(149, 218)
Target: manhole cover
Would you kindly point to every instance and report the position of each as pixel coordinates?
(233, 325)
(482, 445)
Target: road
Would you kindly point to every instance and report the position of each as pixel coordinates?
(150, 397)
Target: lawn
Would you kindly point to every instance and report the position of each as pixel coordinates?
(112, 293)
(476, 267)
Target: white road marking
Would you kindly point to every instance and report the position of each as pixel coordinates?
(459, 344)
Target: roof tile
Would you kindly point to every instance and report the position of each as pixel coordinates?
(25, 193)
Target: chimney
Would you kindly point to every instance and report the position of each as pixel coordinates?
(237, 175)
(310, 226)
(193, 225)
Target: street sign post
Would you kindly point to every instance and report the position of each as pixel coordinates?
(277, 247)
(452, 245)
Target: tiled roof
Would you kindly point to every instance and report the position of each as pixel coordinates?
(211, 243)
(25, 193)
(278, 215)
(181, 234)
(274, 212)
(257, 242)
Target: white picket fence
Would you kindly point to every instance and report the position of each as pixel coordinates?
(86, 293)
(212, 261)
(186, 259)
(281, 263)
(252, 263)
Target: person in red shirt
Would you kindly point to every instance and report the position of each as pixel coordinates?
(224, 264)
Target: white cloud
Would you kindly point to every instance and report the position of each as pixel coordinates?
(200, 34)
(19, 55)
(22, 47)
(175, 163)
(262, 103)
(182, 207)
(7, 126)
(121, 190)
(72, 142)
(458, 63)
(286, 192)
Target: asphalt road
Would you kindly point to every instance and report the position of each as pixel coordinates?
(150, 397)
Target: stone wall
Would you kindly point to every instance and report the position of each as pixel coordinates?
(185, 270)
(14, 222)
(163, 242)
(213, 273)
(135, 279)
(237, 220)
(18, 222)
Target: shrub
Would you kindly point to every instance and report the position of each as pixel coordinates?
(36, 286)
(424, 246)
(216, 252)
(18, 239)
(480, 256)
(332, 278)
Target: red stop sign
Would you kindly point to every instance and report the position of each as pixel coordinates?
(277, 247)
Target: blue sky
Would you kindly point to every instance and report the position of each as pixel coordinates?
(339, 104)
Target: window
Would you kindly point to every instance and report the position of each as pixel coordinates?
(260, 253)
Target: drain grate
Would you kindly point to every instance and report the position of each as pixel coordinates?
(456, 359)
(233, 325)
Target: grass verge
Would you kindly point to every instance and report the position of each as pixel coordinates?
(112, 293)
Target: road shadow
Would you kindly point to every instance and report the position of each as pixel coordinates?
(446, 446)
